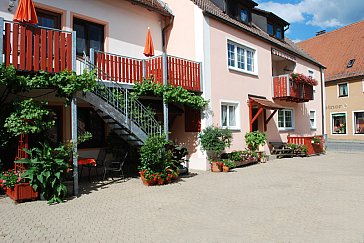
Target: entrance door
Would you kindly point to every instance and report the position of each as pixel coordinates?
(256, 122)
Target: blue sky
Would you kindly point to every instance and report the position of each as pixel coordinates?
(309, 16)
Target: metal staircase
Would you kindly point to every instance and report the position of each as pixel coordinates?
(124, 114)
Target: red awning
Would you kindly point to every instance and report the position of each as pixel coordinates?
(149, 47)
(26, 12)
(266, 104)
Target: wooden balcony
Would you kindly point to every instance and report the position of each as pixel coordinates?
(288, 90)
(32, 48)
(181, 72)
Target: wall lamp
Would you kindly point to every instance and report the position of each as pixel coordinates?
(11, 5)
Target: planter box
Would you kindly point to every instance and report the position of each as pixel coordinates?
(216, 167)
(22, 192)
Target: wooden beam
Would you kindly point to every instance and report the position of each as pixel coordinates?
(256, 116)
(270, 117)
(250, 103)
(265, 118)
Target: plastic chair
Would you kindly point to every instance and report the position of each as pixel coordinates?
(116, 166)
(100, 161)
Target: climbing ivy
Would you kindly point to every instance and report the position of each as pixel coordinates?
(170, 94)
(65, 83)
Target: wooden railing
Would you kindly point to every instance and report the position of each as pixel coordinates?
(181, 72)
(289, 90)
(34, 48)
(312, 147)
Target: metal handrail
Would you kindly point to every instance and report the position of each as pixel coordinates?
(119, 98)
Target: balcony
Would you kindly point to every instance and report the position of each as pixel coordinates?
(31, 48)
(181, 72)
(286, 89)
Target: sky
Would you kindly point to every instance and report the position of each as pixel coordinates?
(310, 16)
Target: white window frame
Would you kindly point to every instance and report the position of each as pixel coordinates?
(284, 121)
(237, 113)
(245, 47)
(346, 122)
(356, 134)
(338, 90)
(315, 120)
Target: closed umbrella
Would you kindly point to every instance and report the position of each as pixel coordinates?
(149, 47)
(26, 12)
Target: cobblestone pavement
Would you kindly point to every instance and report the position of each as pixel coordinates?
(316, 199)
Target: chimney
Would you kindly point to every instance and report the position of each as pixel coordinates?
(320, 32)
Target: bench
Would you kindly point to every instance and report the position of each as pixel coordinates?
(280, 149)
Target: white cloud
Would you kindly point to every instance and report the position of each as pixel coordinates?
(296, 40)
(322, 13)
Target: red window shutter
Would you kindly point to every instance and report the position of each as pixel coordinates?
(192, 120)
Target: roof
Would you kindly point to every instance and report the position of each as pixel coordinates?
(155, 5)
(266, 104)
(270, 15)
(211, 9)
(336, 48)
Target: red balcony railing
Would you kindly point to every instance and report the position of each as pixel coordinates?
(33, 48)
(286, 89)
(181, 72)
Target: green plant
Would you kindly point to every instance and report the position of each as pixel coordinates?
(229, 163)
(316, 140)
(214, 140)
(299, 149)
(236, 156)
(169, 93)
(9, 178)
(47, 167)
(254, 139)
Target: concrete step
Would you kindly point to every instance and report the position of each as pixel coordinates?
(345, 145)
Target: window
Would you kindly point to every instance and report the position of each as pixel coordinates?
(230, 115)
(350, 63)
(244, 15)
(310, 74)
(270, 29)
(359, 122)
(338, 121)
(343, 90)
(275, 30)
(48, 19)
(285, 119)
(88, 35)
(90, 121)
(313, 119)
(241, 57)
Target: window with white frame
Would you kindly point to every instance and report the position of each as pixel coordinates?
(359, 122)
(230, 115)
(313, 119)
(343, 89)
(285, 119)
(241, 57)
(338, 123)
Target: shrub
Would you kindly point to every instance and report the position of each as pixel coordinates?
(214, 140)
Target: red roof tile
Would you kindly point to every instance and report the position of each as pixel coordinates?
(336, 48)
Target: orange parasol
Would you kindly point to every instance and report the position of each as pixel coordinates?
(149, 47)
(26, 12)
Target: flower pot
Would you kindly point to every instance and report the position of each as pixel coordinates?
(216, 167)
(150, 182)
(225, 168)
(22, 192)
(160, 181)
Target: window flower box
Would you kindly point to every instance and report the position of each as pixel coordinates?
(22, 192)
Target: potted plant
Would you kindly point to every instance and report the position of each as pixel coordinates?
(316, 140)
(255, 139)
(16, 186)
(214, 141)
(227, 165)
(263, 158)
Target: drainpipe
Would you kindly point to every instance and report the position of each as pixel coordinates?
(165, 74)
(323, 101)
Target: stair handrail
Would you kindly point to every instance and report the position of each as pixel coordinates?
(120, 99)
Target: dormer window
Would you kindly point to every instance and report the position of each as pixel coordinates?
(244, 15)
(275, 30)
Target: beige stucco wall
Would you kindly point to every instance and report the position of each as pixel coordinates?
(349, 104)
(125, 24)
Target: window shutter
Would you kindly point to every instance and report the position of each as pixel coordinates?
(192, 120)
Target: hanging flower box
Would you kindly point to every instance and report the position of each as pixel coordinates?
(22, 192)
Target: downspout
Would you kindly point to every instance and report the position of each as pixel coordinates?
(323, 101)
(165, 74)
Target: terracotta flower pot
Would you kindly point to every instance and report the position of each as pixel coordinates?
(225, 169)
(216, 167)
(22, 192)
(150, 182)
